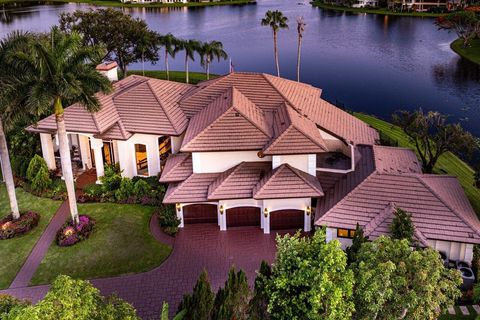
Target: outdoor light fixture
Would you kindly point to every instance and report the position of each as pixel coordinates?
(265, 212)
(309, 210)
(178, 206)
(221, 209)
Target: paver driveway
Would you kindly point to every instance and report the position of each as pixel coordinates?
(196, 247)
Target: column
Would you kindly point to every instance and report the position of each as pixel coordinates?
(266, 220)
(153, 156)
(222, 218)
(47, 150)
(307, 224)
(179, 209)
(125, 154)
(85, 152)
(97, 145)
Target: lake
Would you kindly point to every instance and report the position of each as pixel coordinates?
(371, 63)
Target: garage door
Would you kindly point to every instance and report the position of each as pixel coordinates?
(200, 213)
(286, 219)
(243, 216)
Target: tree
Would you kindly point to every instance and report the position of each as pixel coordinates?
(433, 136)
(466, 24)
(209, 51)
(70, 299)
(257, 307)
(231, 302)
(127, 40)
(61, 70)
(198, 305)
(392, 281)
(164, 314)
(171, 46)
(358, 240)
(300, 29)
(402, 226)
(190, 47)
(9, 95)
(275, 20)
(310, 279)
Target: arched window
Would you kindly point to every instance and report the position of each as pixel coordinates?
(141, 159)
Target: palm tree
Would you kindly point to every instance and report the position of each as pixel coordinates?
(190, 47)
(171, 45)
(9, 97)
(209, 51)
(276, 20)
(62, 70)
(300, 29)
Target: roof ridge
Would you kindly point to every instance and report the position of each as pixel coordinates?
(229, 172)
(303, 131)
(162, 106)
(233, 88)
(474, 229)
(273, 174)
(300, 173)
(378, 219)
(128, 86)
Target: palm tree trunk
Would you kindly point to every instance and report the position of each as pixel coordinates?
(143, 63)
(166, 65)
(276, 52)
(186, 68)
(208, 70)
(7, 174)
(65, 159)
(298, 56)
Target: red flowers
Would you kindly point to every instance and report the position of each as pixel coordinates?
(71, 233)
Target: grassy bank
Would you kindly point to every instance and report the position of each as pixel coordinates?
(14, 252)
(178, 76)
(113, 3)
(447, 164)
(382, 11)
(471, 53)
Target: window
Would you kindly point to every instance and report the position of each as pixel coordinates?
(141, 159)
(107, 152)
(164, 149)
(345, 233)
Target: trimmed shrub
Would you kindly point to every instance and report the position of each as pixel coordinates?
(10, 228)
(41, 181)
(125, 191)
(70, 233)
(141, 189)
(111, 179)
(167, 217)
(34, 166)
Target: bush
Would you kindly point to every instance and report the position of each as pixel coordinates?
(476, 293)
(58, 190)
(19, 165)
(7, 303)
(111, 179)
(125, 191)
(34, 166)
(41, 182)
(141, 189)
(10, 228)
(167, 217)
(70, 234)
(91, 192)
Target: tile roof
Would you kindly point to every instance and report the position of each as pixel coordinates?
(193, 189)
(230, 122)
(396, 160)
(239, 181)
(287, 182)
(177, 168)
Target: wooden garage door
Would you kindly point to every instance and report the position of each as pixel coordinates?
(286, 219)
(200, 213)
(243, 216)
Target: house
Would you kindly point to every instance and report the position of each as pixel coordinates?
(250, 149)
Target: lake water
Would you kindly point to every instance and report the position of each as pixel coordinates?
(371, 63)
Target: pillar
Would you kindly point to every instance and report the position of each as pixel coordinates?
(307, 223)
(125, 154)
(47, 150)
(97, 145)
(266, 220)
(179, 209)
(85, 152)
(153, 156)
(222, 218)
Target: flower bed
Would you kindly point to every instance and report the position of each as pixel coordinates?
(69, 233)
(10, 228)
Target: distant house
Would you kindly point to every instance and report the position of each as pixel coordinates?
(154, 1)
(249, 149)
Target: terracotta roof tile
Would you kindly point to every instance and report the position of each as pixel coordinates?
(193, 189)
(396, 160)
(177, 168)
(287, 182)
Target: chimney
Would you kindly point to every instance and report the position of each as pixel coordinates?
(109, 70)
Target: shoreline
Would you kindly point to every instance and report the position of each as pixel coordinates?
(386, 12)
(113, 3)
(471, 53)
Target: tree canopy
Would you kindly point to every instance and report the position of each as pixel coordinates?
(127, 40)
(466, 24)
(402, 226)
(433, 136)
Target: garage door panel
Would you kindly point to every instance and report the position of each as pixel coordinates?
(286, 219)
(243, 216)
(200, 213)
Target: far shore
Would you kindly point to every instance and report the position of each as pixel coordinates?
(381, 11)
(113, 3)
(471, 53)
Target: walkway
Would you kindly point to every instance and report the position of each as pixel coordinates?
(196, 247)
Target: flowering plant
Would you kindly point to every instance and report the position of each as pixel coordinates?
(71, 233)
(10, 228)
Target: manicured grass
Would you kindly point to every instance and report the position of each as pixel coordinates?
(178, 76)
(447, 164)
(383, 11)
(113, 3)
(120, 244)
(471, 53)
(14, 252)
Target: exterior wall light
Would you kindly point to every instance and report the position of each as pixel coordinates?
(221, 209)
(178, 206)
(308, 210)
(265, 212)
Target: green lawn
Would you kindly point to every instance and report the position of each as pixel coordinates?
(121, 244)
(447, 164)
(14, 252)
(178, 76)
(113, 3)
(471, 53)
(383, 11)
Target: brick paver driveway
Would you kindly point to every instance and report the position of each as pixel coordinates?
(196, 247)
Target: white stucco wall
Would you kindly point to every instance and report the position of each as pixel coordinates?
(332, 235)
(454, 250)
(304, 162)
(126, 154)
(333, 144)
(207, 162)
(283, 204)
(235, 203)
(176, 143)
